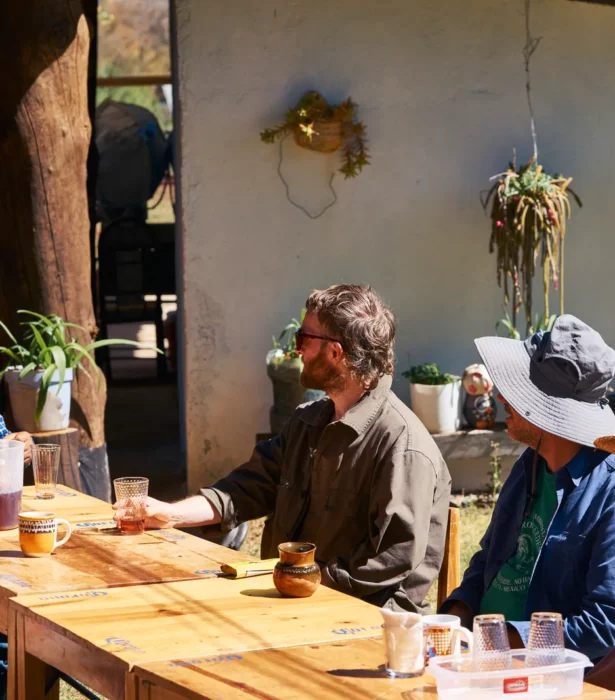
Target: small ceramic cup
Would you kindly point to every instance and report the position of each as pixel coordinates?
(296, 575)
(38, 533)
(444, 634)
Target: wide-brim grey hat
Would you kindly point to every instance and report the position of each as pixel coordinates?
(556, 380)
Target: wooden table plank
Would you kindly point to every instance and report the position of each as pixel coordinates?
(123, 626)
(352, 669)
(98, 557)
(68, 503)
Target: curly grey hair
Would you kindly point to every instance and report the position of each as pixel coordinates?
(365, 325)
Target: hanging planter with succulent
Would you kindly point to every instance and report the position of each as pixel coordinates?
(319, 126)
(529, 210)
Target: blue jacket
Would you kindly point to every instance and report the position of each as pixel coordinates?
(3, 430)
(575, 570)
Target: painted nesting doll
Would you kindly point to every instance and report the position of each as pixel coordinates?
(479, 407)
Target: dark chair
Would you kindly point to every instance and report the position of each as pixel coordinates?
(136, 260)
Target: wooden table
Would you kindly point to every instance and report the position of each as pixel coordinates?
(68, 503)
(351, 668)
(97, 636)
(99, 557)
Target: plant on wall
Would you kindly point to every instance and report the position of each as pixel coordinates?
(529, 210)
(319, 126)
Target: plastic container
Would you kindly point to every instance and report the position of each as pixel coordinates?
(456, 679)
(11, 482)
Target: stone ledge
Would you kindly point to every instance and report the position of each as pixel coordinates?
(473, 444)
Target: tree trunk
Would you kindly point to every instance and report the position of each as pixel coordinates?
(45, 259)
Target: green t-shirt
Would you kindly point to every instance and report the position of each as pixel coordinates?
(507, 592)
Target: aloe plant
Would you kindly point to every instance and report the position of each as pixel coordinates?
(46, 345)
(286, 341)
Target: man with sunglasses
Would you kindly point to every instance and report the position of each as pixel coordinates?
(356, 472)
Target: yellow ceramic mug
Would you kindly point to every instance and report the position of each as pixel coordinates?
(38, 532)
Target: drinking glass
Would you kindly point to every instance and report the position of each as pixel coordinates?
(491, 648)
(404, 645)
(131, 496)
(545, 645)
(45, 463)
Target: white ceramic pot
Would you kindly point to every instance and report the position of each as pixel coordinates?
(437, 406)
(24, 395)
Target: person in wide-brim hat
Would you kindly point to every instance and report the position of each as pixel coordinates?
(556, 380)
(551, 541)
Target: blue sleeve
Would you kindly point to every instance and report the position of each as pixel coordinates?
(592, 631)
(3, 431)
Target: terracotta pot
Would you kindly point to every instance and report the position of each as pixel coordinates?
(296, 575)
(327, 137)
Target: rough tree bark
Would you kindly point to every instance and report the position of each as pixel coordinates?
(45, 131)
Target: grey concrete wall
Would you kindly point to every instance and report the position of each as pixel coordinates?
(440, 86)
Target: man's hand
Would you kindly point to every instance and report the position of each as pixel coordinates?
(158, 514)
(191, 512)
(463, 612)
(26, 438)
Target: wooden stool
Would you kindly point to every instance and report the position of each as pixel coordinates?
(68, 439)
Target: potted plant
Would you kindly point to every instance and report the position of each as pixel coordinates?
(40, 369)
(529, 209)
(325, 128)
(435, 397)
(284, 367)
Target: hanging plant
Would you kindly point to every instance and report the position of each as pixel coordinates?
(325, 128)
(529, 209)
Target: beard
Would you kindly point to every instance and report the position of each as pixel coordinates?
(320, 374)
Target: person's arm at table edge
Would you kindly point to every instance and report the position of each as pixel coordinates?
(194, 511)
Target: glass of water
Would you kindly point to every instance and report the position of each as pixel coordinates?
(45, 463)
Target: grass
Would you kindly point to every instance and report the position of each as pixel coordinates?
(474, 520)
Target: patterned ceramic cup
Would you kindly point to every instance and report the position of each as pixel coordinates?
(443, 635)
(38, 533)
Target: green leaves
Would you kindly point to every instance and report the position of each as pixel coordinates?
(47, 345)
(529, 211)
(430, 374)
(312, 108)
(286, 340)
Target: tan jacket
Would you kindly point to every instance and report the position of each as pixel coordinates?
(370, 490)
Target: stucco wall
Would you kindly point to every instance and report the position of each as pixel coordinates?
(441, 88)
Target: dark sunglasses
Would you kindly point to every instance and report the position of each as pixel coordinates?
(301, 335)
